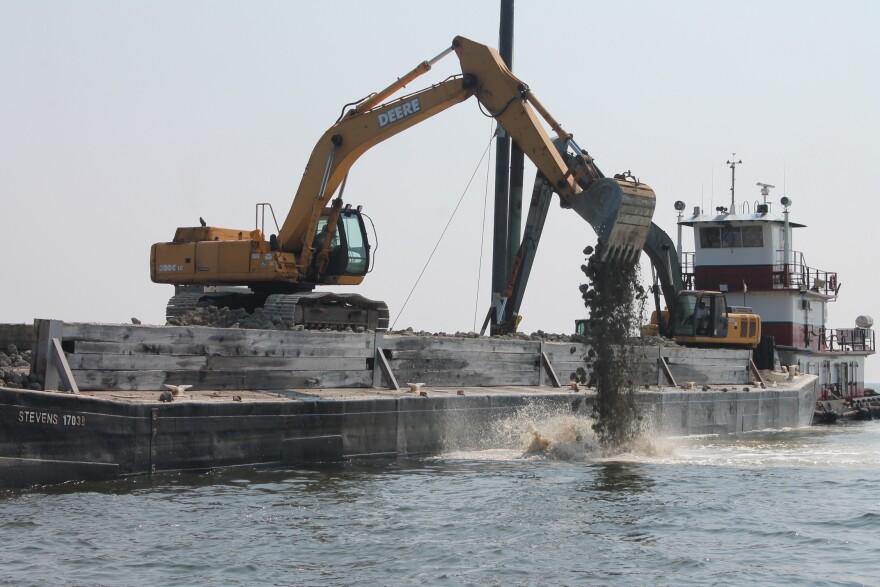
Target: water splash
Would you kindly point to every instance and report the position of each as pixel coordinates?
(548, 432)
(539, 431)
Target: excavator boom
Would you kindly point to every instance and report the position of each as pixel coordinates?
(321, 245)
(484, 75)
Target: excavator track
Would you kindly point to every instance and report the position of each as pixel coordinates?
(310, 310)
(182, 303)
(328, 310)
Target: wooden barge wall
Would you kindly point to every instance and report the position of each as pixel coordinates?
(113, 357)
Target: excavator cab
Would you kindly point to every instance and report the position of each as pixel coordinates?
(700, 314)
(348, 254)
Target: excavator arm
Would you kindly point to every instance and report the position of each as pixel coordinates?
(342, 144)
(280, 272)
(485, 76)
(618, 209)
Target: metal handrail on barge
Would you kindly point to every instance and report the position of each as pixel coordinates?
(847, 340)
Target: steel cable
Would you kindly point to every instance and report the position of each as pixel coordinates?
(442, 234)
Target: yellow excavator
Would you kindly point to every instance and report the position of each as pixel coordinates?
(324, 243)
(703, 319)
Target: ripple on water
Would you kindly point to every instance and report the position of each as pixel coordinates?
(739, 510)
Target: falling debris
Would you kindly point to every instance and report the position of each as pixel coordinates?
(616, 303)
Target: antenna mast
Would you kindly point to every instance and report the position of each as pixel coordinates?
(733, 163)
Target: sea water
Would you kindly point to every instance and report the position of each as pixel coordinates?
(539, 504)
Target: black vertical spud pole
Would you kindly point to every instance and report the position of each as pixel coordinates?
(502, 171)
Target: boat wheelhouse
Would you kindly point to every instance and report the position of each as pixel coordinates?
(748, 254)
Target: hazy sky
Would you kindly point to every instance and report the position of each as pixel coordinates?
(120, 121)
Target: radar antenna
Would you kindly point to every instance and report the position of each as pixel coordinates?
(765, 189)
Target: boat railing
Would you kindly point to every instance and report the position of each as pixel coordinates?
(687, 270)
(847, 340)
(798, 275)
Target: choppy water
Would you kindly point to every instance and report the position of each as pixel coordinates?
(798, 507)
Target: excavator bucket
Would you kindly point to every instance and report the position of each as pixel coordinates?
(620, 212)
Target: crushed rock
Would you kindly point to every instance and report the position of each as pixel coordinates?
(218, 317)
(15, 369)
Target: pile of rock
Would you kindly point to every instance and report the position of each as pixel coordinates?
(654, 341)
(217, 317)
(536, 336)
(15, 369)
(228, 318)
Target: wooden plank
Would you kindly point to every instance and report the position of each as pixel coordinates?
(569, 376)
(43, 351)
(548, 367)
(63, 369)
(530, 365)
(133, 362)
(721, 357)
(709, 376)
(220, 380)
(561, 366)
(286, 364)
(566, 357)
(384, 367)
(676, 369)
(467, 378)
(708, 364)
(572, 349)
(705, 354)
(230, 349)
(203, 335)
(212, 363)
(431, 344)
(754, 370)
(459, 353)
(664, 369)
(378, 341)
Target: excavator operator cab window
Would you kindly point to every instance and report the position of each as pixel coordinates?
(716, 303)
(358, 247)
(320, 235)
(685, 307)
(349, 250)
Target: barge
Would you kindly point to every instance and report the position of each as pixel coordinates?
(278, 398)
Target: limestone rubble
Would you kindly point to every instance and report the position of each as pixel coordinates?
(15, 369)
(239, 318)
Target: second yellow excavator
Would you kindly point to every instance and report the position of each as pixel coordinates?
(321, 244)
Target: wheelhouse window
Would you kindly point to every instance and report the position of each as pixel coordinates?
(731, 237)
(710, 238)
(752, 236)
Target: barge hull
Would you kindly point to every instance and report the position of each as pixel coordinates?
(50, 437)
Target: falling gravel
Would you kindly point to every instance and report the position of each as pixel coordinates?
(616, 303)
